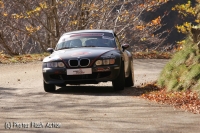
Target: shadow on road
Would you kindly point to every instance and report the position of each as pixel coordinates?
(7, 91)
(83, 90)
(104, 90)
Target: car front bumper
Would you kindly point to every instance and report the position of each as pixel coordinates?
(59, 76)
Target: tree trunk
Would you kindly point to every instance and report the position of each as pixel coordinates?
(56, 22)
(79, 14)
(53, 24)
(5, 46)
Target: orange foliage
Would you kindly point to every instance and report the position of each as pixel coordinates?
(156, 21)
(140, 27)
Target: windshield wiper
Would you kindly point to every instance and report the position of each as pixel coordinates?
(89, 46)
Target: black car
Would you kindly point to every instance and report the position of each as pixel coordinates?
(88, 57)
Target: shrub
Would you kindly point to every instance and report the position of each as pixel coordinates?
(182, 72)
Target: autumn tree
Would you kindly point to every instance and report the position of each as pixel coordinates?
(34, 25)
(185, 10)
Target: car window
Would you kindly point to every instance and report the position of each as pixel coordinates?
(86, 40)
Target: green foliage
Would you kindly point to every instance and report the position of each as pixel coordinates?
(194, 72)
(179, 58)
(173, 82)
(182, 72)
(196, 87)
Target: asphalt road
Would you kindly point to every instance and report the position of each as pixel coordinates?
(25, 107)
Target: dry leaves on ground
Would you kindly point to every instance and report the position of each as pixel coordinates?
(6, 59)
(188, 101)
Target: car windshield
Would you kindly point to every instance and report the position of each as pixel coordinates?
(86, 40)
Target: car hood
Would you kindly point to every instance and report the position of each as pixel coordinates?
(91, 52)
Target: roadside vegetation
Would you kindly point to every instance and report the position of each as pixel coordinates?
(7, 59)
(182, 73)
(179, 82)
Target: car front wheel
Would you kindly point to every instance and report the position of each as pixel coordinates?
(49, 87)
(118, 83)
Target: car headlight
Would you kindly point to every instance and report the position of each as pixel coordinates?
(105, 62)
(99, 62)
(112, 61)
(61, 64)
(55, 64)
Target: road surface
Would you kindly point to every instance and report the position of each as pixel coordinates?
(25, 107)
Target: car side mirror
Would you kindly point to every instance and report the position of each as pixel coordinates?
(125, 46)
(50, 50)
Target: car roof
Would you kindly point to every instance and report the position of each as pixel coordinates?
(83, 31)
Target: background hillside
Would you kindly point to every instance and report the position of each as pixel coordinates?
(171, 19)
(33, 26)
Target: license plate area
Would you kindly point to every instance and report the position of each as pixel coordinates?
(79, 71)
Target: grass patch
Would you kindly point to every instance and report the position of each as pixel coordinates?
(182, 73)
(172, 84)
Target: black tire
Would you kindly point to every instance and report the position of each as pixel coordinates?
(129, 80)
(49, 87)
(118, 83)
